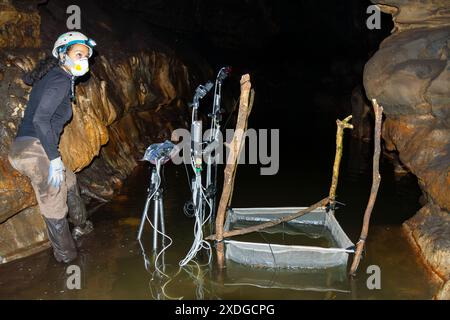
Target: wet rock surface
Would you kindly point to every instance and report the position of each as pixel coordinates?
(20, 24)
(410, 77)
(136, 94)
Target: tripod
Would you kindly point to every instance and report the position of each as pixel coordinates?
(155, 193)
(158, 154)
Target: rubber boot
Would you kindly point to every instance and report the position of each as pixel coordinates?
(64, 248)
(78, 213)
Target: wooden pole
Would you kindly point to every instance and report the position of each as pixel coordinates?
(235, 148)
(374, 190)
(341, 126)
(220, 250)
(250, 105)
(272, 223)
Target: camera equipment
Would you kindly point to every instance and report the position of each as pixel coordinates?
(195, 207)
(200, 92)
(216, 118)
(157, 154)
(200, 194)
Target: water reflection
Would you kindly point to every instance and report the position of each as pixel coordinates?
(318, 280)
(193, 273)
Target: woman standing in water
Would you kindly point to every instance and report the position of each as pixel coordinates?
(34, 151)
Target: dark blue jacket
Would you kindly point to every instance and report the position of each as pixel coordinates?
(48, 109)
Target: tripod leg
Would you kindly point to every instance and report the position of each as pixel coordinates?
(161, 215)
(155, 222)
(163, 229)
(144, 213)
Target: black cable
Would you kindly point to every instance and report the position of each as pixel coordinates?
(231, 113)
(274, 260)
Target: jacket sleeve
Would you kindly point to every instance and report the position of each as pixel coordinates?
(54, 93)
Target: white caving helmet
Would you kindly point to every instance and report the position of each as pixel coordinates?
(67, 39)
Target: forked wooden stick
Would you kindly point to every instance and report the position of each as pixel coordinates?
(341, 126)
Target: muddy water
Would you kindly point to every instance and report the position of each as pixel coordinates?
(113, 267)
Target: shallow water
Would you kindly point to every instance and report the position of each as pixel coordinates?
(113, 266)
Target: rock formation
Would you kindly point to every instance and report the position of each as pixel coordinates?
(410, 77)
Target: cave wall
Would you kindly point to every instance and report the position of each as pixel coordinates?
(410, 77)
(136, 94)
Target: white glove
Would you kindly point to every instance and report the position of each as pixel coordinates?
(56, 172)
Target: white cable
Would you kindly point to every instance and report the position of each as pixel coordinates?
(200, 220)
(203, 242)
(158, 168)
(197, 232)
(198, 242)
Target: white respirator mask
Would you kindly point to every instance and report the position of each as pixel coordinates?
(78, 67)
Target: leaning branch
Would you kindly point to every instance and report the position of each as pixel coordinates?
(374, 191)
(272, 223)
